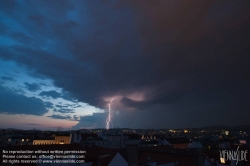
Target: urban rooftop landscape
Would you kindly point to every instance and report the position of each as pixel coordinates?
(124, 82)
(197, 146)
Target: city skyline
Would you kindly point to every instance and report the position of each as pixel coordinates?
(159, 64)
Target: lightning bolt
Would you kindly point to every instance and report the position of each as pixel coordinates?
(108, 121)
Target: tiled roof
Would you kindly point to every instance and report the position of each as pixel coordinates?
(86, 136)
(133, 136)
(94, 152)
(104, 160)
(62, 134)
(163, 158)
(180, 140)
(123, 153)
(161, 147)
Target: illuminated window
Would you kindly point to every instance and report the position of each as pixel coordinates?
(243, 141)
(222, 160)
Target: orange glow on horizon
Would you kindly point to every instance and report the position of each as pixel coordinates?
(40, 122)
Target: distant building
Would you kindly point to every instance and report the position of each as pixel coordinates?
(162, 141)
(19, 140)
(149, 135)
(52, 140)
(149, 142)
(180, 142)
(112, 139)
(195, 145)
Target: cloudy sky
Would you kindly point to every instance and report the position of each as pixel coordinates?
(165, 63)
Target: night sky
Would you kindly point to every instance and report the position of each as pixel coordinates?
(166, 63)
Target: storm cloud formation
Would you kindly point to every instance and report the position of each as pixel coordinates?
(184, 59)
(13, 103)
(32, 87)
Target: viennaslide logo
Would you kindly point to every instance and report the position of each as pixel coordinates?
(233, 155)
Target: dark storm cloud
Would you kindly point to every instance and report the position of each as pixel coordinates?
(185, 52)
(181, 116)
(62, 106)
(18, 90)
(53, 94)
(7, 78)
(68, 105)
(134, 104)
(162, 95)
(60, 117)
(49, 105)
(75, 106)
(32, 87)
(13, 103)
(8, 6)
(21, 37)
(64, 110)
(37, 19)
(97, 120)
